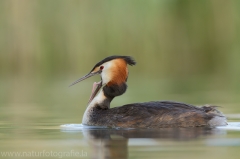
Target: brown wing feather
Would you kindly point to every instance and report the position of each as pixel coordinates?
(154, 115)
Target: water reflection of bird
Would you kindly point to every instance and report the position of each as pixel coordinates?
(156, 114)
(114, 143)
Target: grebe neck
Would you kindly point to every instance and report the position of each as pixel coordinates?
(114, 89)
(103, 100)
(99, 102)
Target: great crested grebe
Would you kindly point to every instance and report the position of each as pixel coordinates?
(156, 114)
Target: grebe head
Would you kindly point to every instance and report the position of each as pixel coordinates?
(113, 71)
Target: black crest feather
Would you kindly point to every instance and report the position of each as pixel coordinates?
(129, 60)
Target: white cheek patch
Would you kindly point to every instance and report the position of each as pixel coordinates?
(106, 73)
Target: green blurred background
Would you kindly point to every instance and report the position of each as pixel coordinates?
(186, 50)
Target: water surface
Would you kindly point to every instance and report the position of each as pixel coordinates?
(31, 119)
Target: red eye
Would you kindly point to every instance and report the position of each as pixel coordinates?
(101, 67)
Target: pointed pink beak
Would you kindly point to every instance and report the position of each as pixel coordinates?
(96, 85)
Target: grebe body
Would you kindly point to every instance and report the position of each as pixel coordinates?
(156, 114)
